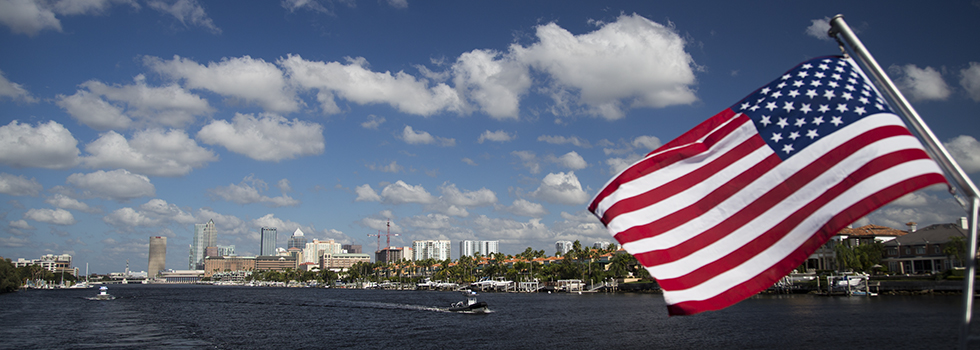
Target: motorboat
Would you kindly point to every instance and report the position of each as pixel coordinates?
(103, 294)
(470, 305)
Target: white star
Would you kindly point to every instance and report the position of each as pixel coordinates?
(815, 83)
(850, 87)
(797, 83)
(811, 93)
(765, 90)
(794, 135)
(806, 66)
(776, 94)
(852, 80)
(839, 69)
(829, 94)
(823, 109)
(812, 134)
(859, 110)
(800, 122)
(755, 107)
(776, 137)
(846, 96)
(765, 120)
(819, 75)
(788, 106)
(836, 76)
(823, 67)
(770, 106)
(817, 120)
(788, 148)
(802, 74)
(781, 85)
(805, 108)
(836, 121)
(863, 100)
(794, 93)
(866, 93)
(744, 106)
(833, 84)
(787, 76)
(760, 100)
(842, 107)
(782, 123)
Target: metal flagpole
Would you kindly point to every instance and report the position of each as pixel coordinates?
(935, 150)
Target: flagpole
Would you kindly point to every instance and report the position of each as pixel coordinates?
(935, 150)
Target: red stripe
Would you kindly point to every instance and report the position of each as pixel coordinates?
(691, 137)
(834, 225)
(777, 232)
(759, 206)
(682, 183)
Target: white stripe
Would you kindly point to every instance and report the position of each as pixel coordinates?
(650, 181)
(751, 192)
(796, 237)
(777, 213)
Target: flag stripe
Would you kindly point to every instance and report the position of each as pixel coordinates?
(759, 282)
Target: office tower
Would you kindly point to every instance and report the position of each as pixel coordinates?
(210, 234)
(268, 243)
(226, 250)
(198, 245)
(158, 256)
(317, 249)
(297, 240)
(434, 249)
(562, 247)
(351, 248)
(485, 248)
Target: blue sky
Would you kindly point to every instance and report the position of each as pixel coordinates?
(500, 120)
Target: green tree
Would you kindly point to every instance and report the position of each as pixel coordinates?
(9, 280)
(956, 249)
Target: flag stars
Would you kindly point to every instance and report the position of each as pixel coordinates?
(765, 90)
(849, 87)
(781, 85)
(836, 76)
(794, 135)
(819, 75)
(823, 108)
(771, 106)
(811, 93)
(842, 107)
(839, 69)
(788, 148)
(846, 96)
(815, 83)
(765, 121)
(776, 94)
(879, 107)
(805, 108)
(745, 106)
(863, 100)
(836, 121)
(776, 137)
(787, 76)
(859, 110)
(833, 84)
(806, 66)
(798, 83)
(788, 106)
(823, 67)
(829, 94)
(782, 123)
(800, 122)
(802, 74)
(794, 93)
(812, 134)
(817, 121)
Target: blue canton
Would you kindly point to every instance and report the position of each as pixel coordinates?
(811, 101)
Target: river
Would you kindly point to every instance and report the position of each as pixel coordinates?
(222, 317)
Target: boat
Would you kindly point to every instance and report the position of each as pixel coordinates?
(470, 305)
(103, 294)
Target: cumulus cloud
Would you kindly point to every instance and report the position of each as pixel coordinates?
(561, 140)
(188, 12)
(169, 211)
(21, 224)
(401, 192)
(267, 137)
(454, 196)
(632, 59)
(226, 224)
(48, 145)
(818, 29)
(126, 218)
(529, 160)
(51, 216)
(19, 185)
(392, 167)
(250, 80)
(366, 194)
(561, 188)
(571, 160)
(523, 207)
(970, 80)
(373, 122)
(249, 191)
(13, 90)
(355, 82)
(118, 184)
(152, 152)
(920, 84)
(494, 81)
(495, 136)
(509, 231)
(424, 138)
(966, 151)
(617, 165)
(31, 17)
(581, 226)
(469, 161)
(64, 202)
(103, 107)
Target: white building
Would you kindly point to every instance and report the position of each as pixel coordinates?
(434, 249)
(316, 249)
(562, 247)
(485, 248)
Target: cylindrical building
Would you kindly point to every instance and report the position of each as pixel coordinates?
(158, 256)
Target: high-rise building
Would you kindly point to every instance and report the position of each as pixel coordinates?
(226, 250)
(562, 247)
(158, 256)
(205, 235)
(210, 234)
(268, 245)
(297, 240)
(485, 248)
(351, 248)
(315, 250)
(434, 249)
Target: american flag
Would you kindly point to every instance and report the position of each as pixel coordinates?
(733, 205)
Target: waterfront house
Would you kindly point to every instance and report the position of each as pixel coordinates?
(824, 257)
(923, 251)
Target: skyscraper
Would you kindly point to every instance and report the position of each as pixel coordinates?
(268, 245)
(563, 247)
(210, 234)
(485, 248)
(205, 235)
(158, 256)
(435, 249)
(297, 240)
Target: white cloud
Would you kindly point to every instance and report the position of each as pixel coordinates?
(51, 216)
(415, 138)
(572, 160)
(617, 165)
(530, 160)
(818, 29)
(399, 4)
(13, 90)
(560, 140)
(226, 224)
(454, 196)
(13, 242)
(126, 218)
(647, 143)
(19, 185)
(966, 151)
(373, 122)
(495, 84)
(509, 231)
(355, 82)
(524, 207)
(168, 105)
(970, 80)
(429, 222)
(366, 194)
(392, 167)
(400, 192)
(496, 136)
(469, 161)
(65, 202)
(561, 188)
(31, 17)
(152, 152)
(267, 138)
(185, 11)
(249, 191)
(581, 226)
(252, 80)
(160, 208)
(632, 59)
(920, 84)
(21, 224)
(118, 184)
(47, 145)
(91, 110)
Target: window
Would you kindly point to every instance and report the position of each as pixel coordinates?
(892, 251)
(920, 250)
(935, 249)
(908, 250)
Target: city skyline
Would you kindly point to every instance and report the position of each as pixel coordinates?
(453, 121)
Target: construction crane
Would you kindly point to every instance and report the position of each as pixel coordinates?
(387, 235)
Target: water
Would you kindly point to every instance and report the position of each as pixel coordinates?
(216, 317)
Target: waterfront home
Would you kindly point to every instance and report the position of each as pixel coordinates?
(923, 251)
